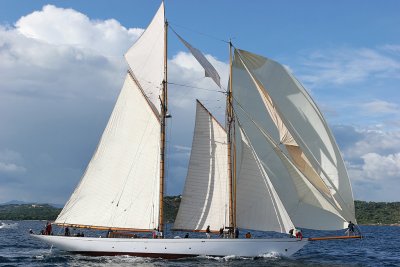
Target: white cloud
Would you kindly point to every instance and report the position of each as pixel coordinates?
(374, 141)
(59, 26)
(380, 106)
(392, 48)
(349, 65)
(10, 162)
(378, 167)
(373, 161)
(11, 167)
(60, 52)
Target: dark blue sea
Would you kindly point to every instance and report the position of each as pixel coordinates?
(380, 247)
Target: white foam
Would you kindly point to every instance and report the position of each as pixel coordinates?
(8, 225)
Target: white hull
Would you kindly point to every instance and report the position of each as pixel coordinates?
(175, 248)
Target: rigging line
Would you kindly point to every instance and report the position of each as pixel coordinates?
(195, 87)
(195, 80)
(196, 32)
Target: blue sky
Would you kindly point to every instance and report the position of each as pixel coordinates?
(62, 66)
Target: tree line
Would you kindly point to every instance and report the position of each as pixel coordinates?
(366, 212)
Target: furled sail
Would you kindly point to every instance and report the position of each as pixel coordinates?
(120, 187)
(258, 206)
(205, 199)
(146, 58)
(311, 149)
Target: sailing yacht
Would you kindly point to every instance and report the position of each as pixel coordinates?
(274, 166)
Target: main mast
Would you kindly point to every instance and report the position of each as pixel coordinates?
(231, 156)
(163, 115)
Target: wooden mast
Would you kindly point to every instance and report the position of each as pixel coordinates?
(231, 160)
(164, 109)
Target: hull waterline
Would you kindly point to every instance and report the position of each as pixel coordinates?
(174, 248)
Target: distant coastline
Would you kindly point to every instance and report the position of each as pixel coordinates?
(367, 213)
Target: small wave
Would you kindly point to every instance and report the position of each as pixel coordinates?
(225, 258)
(8, 225)
(129, 259)
(38, 257)
(270, 255)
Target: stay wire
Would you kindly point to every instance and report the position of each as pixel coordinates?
(197, 32)
(196, 87)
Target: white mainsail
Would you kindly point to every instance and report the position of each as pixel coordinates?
(120, 186)
(205, 199)
(300, 117)
(146, 58)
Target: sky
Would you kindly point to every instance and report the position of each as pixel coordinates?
(62, 66)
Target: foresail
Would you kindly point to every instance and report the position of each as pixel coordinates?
(320, 167)
(146, 58)
(258, 205)
(205, 199)
(120, 187)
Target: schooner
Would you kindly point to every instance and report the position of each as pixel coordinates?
(274, 166)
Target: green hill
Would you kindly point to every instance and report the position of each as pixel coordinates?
(28, 212)
(377, 212)
(366, 212)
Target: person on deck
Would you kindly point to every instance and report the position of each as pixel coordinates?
(350, 229)
(155, 233)
(187, 235)
(299, 234)
(208, 232)
(48, 230)
(291, 233)
(236, 232)
(248, 235)
(66, 231)
(221, 232)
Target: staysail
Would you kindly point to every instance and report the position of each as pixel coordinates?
(288, 114)
(205, 198)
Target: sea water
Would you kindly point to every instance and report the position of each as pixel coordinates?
(380, 247)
